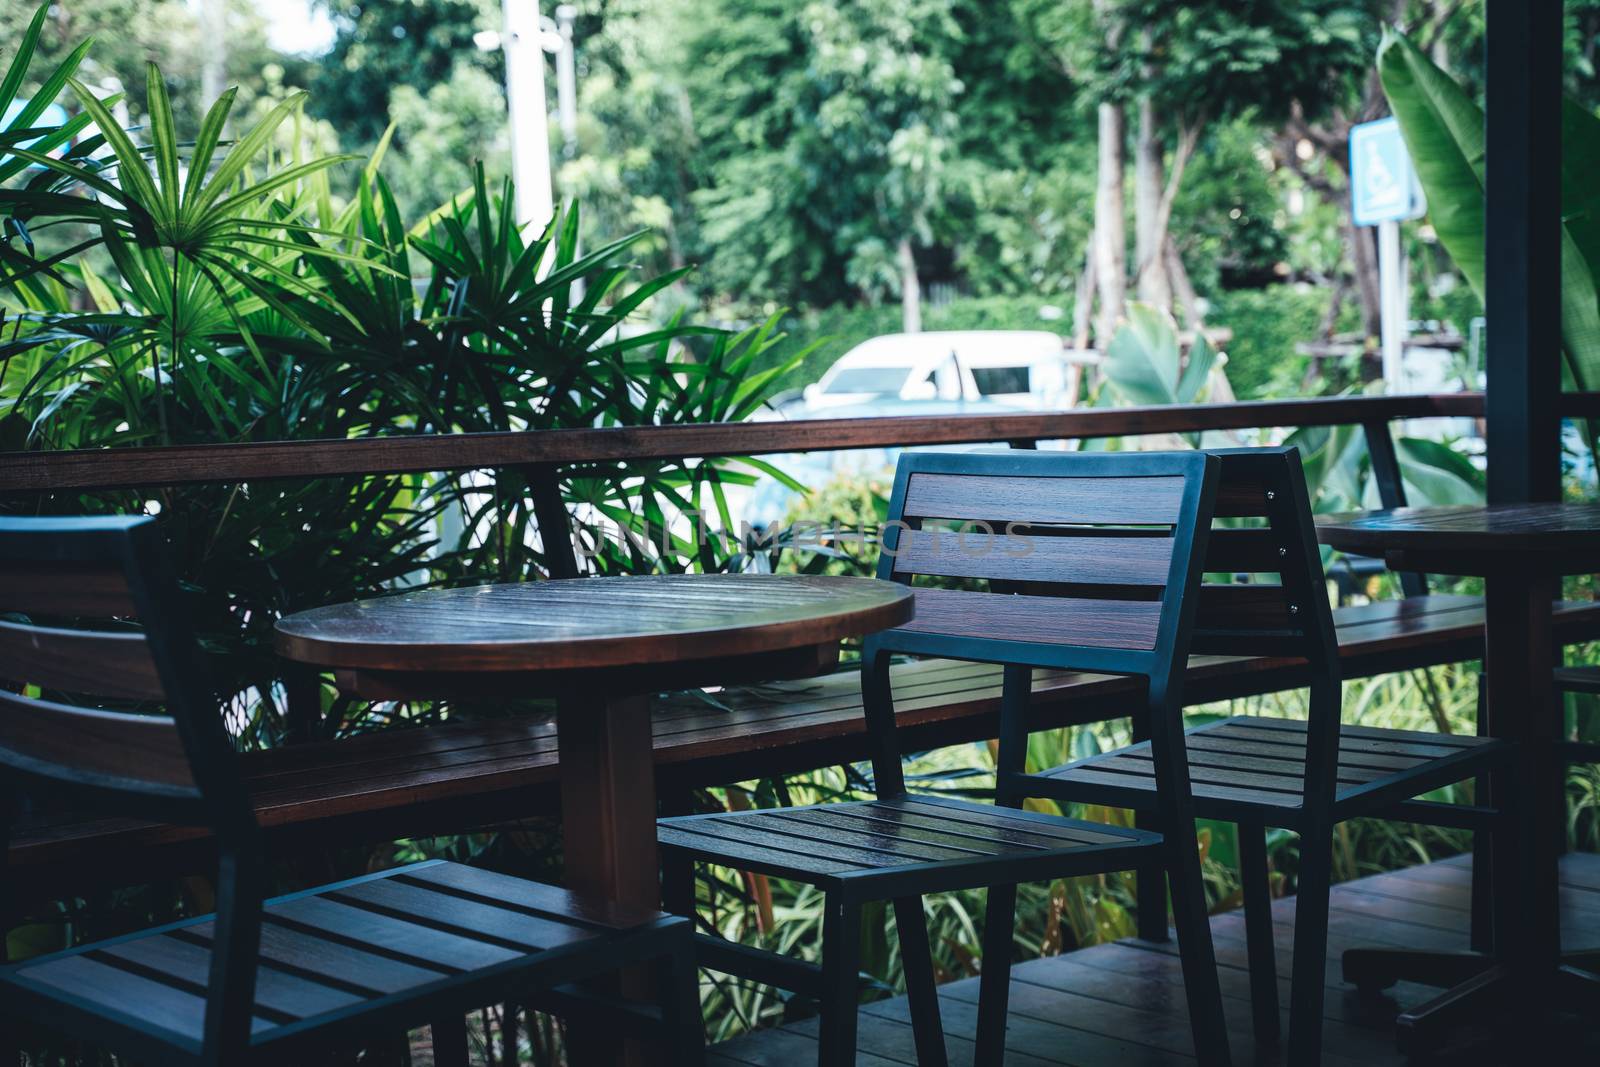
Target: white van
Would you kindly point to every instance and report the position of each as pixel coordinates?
(1025, 369)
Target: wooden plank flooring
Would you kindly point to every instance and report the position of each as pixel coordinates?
(1121, 1005)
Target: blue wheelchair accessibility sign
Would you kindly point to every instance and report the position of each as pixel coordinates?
(54, 115)
(1383, 184)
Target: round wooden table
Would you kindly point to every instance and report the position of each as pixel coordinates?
(1521, 551)
(600, 646)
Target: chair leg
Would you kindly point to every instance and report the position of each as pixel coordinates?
(841, 966)
(1482, 846)
(921, 989)
(510, 1038)
(680, 1006)
(1255, 876)
(1150, 892)
(1310, 946)
(1201, 985)
(10, 916)
(1482, 938)
(450, 1041)
(1150, 882)
(994, 984)
(677, 882)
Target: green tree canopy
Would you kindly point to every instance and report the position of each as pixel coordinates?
(385, 44)
(832, 128)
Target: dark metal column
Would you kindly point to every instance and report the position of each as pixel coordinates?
(1523, 248)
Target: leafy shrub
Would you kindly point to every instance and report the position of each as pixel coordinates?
(1267, 324)
(247, 304)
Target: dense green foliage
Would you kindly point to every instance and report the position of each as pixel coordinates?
(1444, 129)
(789, 150)
(247, 301)
(386, 48)
(215, 271)
(131, 33)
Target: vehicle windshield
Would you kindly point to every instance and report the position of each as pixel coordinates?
(994, 381)
(869, 380)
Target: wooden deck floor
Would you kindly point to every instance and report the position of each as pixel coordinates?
(1121, 1005)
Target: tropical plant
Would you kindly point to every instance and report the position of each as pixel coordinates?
(158, 289)
(1145, 363)
(21, 131)
(1443, 128)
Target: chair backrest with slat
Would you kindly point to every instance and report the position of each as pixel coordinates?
(1265, 592)
(1085, 556)
(102, 698)
(1076, 561)
(1265, 534)
(101, 694)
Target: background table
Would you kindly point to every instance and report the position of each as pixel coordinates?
(1521, 551)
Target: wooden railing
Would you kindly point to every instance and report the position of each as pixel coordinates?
(130, 468)
(542, 453)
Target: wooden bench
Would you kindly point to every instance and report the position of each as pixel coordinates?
(415, 782)
(412, 782)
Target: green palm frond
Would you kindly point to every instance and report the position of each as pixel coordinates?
(21, 128)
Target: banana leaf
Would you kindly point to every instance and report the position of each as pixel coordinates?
(1443, 128)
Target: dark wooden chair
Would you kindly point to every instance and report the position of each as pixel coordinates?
(258, 982)
(1259, 772)
(1095, 571)
(1579, 680)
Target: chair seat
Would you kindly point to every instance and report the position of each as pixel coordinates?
(1578, 679)
(407, 945)
(940, 843)
(1247, 766)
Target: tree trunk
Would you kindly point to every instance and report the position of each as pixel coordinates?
(1150, 270)
(1110, 226)
(1083, 302)
(910, 288)
(1364, 260)
(1172, 259)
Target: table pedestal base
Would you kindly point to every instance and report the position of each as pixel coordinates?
(1479, 990)
(608, 820)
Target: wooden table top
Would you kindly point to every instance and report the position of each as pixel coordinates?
(1561, 536)
(590, 623)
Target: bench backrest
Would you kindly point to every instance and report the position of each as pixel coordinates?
(103, 686)
(102, 698)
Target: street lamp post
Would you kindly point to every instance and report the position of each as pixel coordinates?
(526, 36)
(530, 133)
(567, 80)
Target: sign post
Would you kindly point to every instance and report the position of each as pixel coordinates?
(1384, 191)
